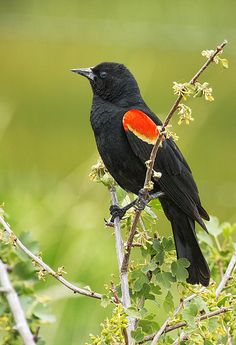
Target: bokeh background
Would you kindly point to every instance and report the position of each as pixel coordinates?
(47, 145)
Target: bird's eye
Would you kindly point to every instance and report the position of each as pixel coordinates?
(103, 75)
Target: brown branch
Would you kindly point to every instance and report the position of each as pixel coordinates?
(154, 151)
(165, 324)
(125, 263)
(173, 110)
(15, 307)
(155, 337)
(184, 323)
(45, 267)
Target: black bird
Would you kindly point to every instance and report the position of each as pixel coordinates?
(125, 130)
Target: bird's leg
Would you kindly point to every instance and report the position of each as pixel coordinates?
(156, 195)
(141, 201)
(117, 211)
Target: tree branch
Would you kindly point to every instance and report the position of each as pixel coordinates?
(154, 151)
(15, 307)
(173, 110)
(227, 275)
(45, 267)
(155, 337)
(125, 263)
(123, 275)
(184, 323)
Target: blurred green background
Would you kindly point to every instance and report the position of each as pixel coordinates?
(47, 145)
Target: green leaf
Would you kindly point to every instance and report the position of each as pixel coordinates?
(138, 334)
(133, 312)
(212, 324)
(168, 303)
(201, 305)
(105, 301)
(178, 268)
(155, 203)
(148, 326)
(168, 244)
(160, 254)
(225, 63)
(145, 292)
(189, 314)
(157, 245)
(165, 279)
(40, 341)
(150, 316)
(156, 289)
(222, 300)
(140, 281)
(151, 266)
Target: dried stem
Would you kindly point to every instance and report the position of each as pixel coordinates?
(227, 275)
(15, 307)
(45, 267)
(154, 151)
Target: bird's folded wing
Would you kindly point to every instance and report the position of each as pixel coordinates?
(176, 180)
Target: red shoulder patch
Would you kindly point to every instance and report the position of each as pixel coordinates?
(141, 125)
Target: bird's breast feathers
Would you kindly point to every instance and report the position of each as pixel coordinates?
(137, 122)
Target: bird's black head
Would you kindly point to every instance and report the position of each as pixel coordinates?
(112, 82)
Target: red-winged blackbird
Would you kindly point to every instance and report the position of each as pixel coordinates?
(125, 130)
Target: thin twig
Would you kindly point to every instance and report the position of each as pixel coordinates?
(184, 323)
(123, 275)
(15, 307)
(173, 110)
(156, 336)
(125, 263)
(45, 267)
(183, 336)
(154, 151)
(227, 275)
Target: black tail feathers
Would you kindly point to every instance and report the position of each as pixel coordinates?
(187, 245)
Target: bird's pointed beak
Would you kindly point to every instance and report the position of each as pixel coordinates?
(86, 72)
